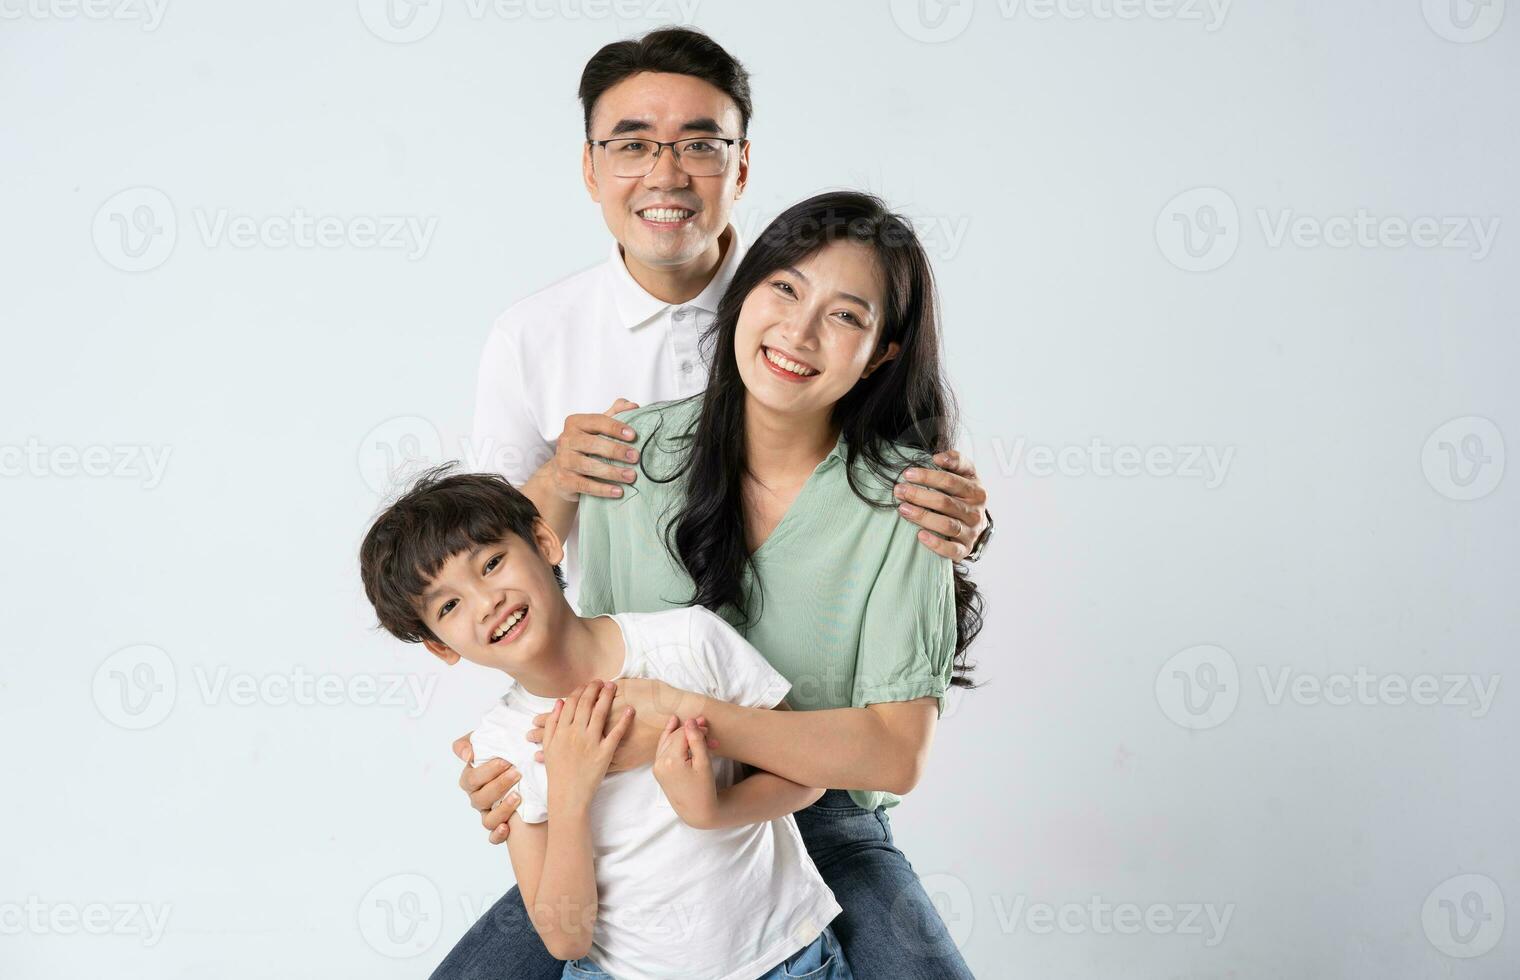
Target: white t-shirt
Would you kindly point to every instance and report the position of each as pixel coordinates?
(674, 901)
(575, 346)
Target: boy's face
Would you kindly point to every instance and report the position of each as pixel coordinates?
(666, 107)
(497, 605)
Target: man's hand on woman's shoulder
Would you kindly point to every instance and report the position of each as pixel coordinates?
(580, 457)
(950, 504)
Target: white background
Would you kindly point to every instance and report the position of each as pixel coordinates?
(1041, 151)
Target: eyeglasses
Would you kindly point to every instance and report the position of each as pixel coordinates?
(699, 156)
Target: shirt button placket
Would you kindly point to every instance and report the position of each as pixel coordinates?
(684, 347)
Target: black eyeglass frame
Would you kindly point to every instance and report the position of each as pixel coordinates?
(660, 145)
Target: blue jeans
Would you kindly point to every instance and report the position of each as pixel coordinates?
(889, 928)
(820, 959)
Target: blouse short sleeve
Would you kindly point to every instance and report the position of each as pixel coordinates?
(908, 634)
(594, 543)
(595, 558)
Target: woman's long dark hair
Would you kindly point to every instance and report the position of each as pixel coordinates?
(904, 401)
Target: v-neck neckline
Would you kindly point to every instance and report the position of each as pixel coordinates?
(787, 517)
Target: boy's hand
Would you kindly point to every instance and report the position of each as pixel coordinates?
(489, 786)
(685, 773)
(653, 702)
(577, 464)
(576, 750)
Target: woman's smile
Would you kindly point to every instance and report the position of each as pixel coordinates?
(786, 367)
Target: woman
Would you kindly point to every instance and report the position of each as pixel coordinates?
(769, 500)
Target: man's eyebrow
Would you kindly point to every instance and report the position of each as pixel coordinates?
(630, 126)
(702, 124)
(849, 296)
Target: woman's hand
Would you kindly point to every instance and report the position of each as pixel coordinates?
(489, 786)
(578, 745)
(950, 504)
(685, 773)
(654, 702)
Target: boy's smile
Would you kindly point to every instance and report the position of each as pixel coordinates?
(510, 625)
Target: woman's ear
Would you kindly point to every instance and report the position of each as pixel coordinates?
(548, 543)
(881, 359)
(441, 652)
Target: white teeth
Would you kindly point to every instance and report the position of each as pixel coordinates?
(788, 364)
(511, 621)
(666, 214)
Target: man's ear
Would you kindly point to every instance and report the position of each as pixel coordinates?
(588, 172)
(441, 652)
(549, 545)
(881, 359)
(743, 180)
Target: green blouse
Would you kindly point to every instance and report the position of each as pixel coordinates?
(852, 609)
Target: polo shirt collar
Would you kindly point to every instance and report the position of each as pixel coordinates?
(636, 307)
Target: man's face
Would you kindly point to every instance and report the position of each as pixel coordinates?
(497, 605)
(665, 107)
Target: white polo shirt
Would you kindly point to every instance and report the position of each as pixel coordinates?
(579, 345)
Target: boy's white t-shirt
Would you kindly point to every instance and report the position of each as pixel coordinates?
(674, 901)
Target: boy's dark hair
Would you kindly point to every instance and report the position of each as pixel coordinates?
(675, 50)
(439, 516)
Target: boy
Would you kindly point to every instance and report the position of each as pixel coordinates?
(679, 869)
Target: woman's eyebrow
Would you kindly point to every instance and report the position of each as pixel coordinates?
(856, 299)
(841, 293)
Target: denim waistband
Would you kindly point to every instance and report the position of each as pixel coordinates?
(835, 799)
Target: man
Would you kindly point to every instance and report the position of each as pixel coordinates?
(632, 324)
(666, 156)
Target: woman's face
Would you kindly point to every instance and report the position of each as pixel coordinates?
(807, 334)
